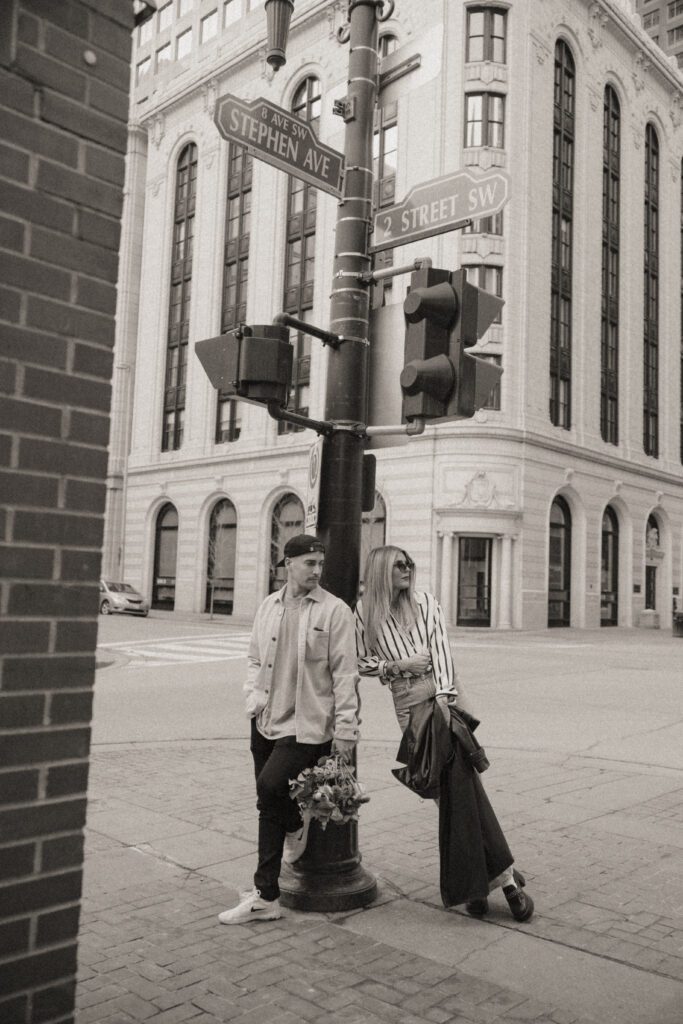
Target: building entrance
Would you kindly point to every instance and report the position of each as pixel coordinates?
(474, 581)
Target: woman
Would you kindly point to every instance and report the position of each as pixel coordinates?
(401, 637)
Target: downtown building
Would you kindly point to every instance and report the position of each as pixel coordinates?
(561, 503)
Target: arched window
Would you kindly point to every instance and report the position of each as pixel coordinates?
(220, 567)
(652, 555)
(286, 522)
(651, 296)
(235, 273)
(559, 564)
(165, 557)
(562, 245)
(609, 573)
(609, 321)
(300, 257)
(373, 530)
(181, 290)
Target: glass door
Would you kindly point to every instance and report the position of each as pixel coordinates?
(474, 581)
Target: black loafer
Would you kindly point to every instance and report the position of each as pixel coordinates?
(478, 907)
(521, 905)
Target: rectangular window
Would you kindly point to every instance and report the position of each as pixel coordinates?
(490, 279)
(651, 297)
(486, 225)
(165, 17)
(649, 20)
(145, 32)
(675, 9)
(209, 27)
(232, 11)
(143, 68)
(163, 55)
(184, 44)
(493, 401)
(609, 319)
(486, 34)
(674, 35)
(484, 120)
(184, 7)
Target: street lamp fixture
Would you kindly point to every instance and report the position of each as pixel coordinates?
(278, 15)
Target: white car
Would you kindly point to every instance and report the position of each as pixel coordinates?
(121, 597)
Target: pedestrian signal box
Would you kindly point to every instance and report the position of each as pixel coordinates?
(252, 363)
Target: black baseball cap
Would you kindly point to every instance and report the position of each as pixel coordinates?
(302, 544)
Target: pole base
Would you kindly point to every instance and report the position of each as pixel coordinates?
(326, 893)
(328, 877)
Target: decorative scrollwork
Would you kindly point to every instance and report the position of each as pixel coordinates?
(385, 10)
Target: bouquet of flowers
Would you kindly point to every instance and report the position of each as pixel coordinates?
(328, 792)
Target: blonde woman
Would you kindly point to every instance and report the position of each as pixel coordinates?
(401, 638)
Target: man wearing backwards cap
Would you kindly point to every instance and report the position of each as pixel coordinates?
(302, 699)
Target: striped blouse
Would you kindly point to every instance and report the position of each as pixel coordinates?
(395, 642)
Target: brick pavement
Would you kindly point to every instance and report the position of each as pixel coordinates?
(172, 835)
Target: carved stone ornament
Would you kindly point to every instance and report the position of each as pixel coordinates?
(641, 66)
(618, 484)
(637, 133)
(676, 111)
(596, 28)
(210, 95)
(266, 70)
(482, 492)
(541, 48)
(155, 184)
(674, 170)
(158, 129)
(336, 16)
(209, 156)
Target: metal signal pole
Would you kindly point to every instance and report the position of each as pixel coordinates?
(329, 876)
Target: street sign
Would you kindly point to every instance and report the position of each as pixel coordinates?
(274, 135)
(315, 458)
(440, 205)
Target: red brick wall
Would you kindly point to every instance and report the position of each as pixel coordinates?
(64, 79)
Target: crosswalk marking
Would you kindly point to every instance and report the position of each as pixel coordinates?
(180, 650)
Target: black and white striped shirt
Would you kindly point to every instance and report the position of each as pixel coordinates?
(394, 642)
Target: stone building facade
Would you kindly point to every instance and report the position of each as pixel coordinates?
(561, 503)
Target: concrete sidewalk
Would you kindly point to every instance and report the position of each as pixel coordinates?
(172, 837)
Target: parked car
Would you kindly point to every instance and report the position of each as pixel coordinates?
(121, 597)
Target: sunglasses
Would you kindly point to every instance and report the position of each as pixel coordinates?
(403, 566)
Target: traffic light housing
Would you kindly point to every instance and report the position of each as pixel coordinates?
(445, 315)
(252, 363)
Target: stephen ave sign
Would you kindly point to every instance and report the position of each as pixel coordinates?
(440, 205)
(274, 135)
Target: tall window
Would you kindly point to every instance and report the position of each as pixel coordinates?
(220, 567)
(486, 34)
(286, 522)
(609, 317)
(181, 285)
(609, 569)
(165, 558)
(300, 257)
(559, 564)
(561, 270)
(484, 119)
(235, 274)
(651, 297)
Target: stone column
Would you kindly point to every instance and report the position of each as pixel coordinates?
(446, 574)
(125, 346)
(505, 586)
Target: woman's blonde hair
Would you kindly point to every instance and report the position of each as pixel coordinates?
(377, 592)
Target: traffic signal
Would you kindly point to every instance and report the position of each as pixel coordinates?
(445, 315)
(252, 363)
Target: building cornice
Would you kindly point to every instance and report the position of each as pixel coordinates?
(650, 55)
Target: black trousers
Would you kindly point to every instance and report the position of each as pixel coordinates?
(275, 763)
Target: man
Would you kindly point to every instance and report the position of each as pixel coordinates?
(302, 698)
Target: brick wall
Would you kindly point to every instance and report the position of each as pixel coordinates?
(64, 79)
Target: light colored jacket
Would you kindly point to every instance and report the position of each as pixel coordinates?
(327, 670)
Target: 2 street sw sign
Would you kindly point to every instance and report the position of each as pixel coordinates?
(439, 205)
(274, 135)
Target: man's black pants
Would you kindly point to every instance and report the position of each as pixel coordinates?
(275, 763)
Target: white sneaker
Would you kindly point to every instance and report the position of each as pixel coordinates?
(251, 908)
(295, 842)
